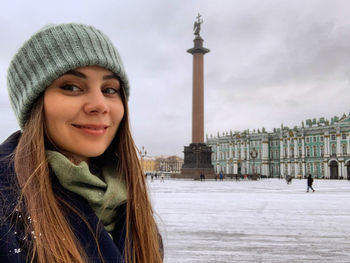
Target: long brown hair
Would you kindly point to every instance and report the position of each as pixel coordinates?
(52, 239)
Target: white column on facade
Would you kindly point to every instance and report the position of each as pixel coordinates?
(265, 156)
(303, 147)
(347, 144)
(289, 168)
(281, 156)
(326, 146)
(248, 158)
(242, 151)
(296, 148)
(340, 169)
(230, 150)
(227, 167)
(326, 169)
(281, 169)
(296, 168)
(235, 150)
(217, 152)
(288, 150)
(304, 168)
(265, 149)
(235, 168)
(248, 150)
(338, 145)
(281, 148)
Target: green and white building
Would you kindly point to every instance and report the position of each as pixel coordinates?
(319, 147)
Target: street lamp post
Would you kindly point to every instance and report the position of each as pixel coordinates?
(142, 153)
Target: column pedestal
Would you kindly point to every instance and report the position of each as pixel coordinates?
(197, 160)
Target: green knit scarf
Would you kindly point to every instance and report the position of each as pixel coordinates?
(104, 191)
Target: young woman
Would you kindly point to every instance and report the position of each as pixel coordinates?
(71, 186)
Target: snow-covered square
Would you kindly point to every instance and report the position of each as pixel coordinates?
(253, 221)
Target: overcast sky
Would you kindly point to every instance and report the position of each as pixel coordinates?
(271, 62)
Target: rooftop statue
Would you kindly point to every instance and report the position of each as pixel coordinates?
(197, 25)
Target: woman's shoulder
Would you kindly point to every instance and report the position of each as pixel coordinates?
(8, 179)
(9, 145)
(7, 149)
(9, 238)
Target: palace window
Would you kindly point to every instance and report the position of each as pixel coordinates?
(315, 151)
(344, 149)
(292, 152)
(322, 150)
(307, 139)
(300, 152)
(308, 168)
(315, 138)
(343, 136)
(300, 141)
(307, 151)
(321, 138)
(333, 137)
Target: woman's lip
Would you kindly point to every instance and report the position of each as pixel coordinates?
(91, 126)
(91, 129)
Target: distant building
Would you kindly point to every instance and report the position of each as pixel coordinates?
(170, 164)
(149, 164)
(320, 148)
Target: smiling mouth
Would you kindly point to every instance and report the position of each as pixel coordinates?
(91, 127)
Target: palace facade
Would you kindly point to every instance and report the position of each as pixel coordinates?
(318, 147)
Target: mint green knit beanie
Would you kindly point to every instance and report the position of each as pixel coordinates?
(51, 52)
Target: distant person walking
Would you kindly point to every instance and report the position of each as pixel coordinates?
(221, 176)
(310, 180)
(162, 178)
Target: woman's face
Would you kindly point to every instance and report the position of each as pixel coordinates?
(83, 109)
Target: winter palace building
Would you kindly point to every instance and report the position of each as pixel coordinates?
(319, 147)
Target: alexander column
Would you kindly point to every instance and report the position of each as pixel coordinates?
(197, 155)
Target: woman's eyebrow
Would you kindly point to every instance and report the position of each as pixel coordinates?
(81, 75)
(112, 76)
(75, 73)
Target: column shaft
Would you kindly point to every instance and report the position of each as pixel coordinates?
(198, 99)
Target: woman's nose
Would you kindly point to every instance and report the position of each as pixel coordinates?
(96, 103)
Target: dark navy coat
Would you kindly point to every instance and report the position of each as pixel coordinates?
(12, 248)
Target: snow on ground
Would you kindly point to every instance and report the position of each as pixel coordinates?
(253, 221)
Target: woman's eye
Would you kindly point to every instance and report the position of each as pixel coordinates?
(70, 88)
(111, 91)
